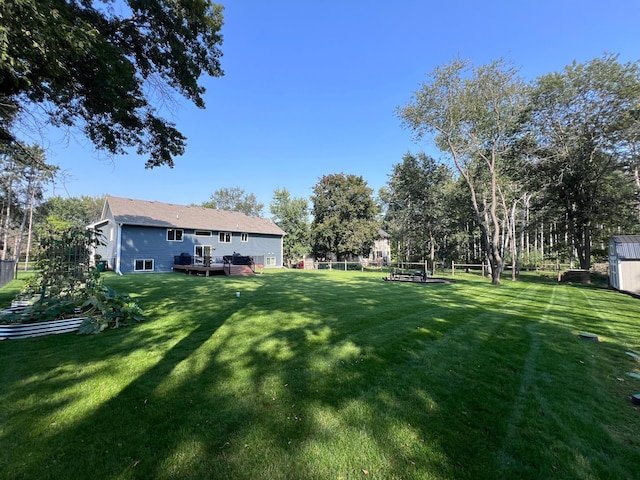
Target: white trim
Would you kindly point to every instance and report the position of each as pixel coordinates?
(225, 234)
(175, 230)
(118, 247)
(144, 260)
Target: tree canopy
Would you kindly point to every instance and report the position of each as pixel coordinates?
(583, 129)
(291, 214)
(470, 112)
(67, 212)
(416, 205)
(344, 217)
(24, 174)
(100, 65)
(236, 200)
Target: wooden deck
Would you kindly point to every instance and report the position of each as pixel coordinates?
(215, 269)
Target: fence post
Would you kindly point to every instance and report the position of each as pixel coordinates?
(453, 268)
(345, 265)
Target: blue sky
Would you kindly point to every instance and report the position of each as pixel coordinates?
(311, 88)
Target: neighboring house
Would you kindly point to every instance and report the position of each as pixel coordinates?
(381, 251)
(146, 236)
(624, 263)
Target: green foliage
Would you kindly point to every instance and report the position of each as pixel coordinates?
(582, 135)
(98, 65)
(24, 174)
(344, 217)
(68, 287)
(470, 113)
(106, 308)
(291, 215)
(63, 262)
(416, 206)
(236, 200)
(62, 213)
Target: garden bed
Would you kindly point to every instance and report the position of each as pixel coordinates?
(27, 330)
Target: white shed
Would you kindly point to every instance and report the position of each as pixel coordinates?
(624, 263)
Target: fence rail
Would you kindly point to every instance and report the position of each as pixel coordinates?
(7, 271)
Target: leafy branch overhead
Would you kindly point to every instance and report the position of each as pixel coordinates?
(98, 65)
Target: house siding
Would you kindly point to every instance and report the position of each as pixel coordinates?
(137, 230)
(150, 243)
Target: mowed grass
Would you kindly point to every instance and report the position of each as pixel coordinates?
(330, 375)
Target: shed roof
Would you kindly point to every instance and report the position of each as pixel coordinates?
(627, 246)
(158, 214)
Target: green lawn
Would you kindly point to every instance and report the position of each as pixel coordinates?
(329, 375)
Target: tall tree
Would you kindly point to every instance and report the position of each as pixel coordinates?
(415, 200)
(470, 112)
(583, 127)
(100, 65)
(344, 217)
(291, 215)
(24, 174)
(236, 200)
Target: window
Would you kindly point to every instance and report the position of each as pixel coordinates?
(270, 261)
(174, 235)
(244, 237)
(143, 265)
(202, 233)
(224, 237)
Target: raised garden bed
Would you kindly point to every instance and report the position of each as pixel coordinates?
(26, 330)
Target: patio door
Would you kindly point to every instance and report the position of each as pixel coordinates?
(203, 254)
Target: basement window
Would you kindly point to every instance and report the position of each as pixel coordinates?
(143, 265)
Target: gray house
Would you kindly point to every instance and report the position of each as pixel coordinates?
(624, 263)
(148, 236)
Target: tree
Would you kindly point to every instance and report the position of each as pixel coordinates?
(291, 215)
(415, 198)
(24, 174)
(236, 200)
(470, 113)
(71, 211)
(85, 63)
(583, 132)
(344, 217)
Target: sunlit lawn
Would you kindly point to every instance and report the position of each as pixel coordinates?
(327, 375)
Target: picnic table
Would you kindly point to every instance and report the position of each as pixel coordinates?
(408, 275)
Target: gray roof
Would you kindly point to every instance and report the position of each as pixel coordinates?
(158, 214)
(627, 246)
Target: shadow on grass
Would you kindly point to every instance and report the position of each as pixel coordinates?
(313, 375)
